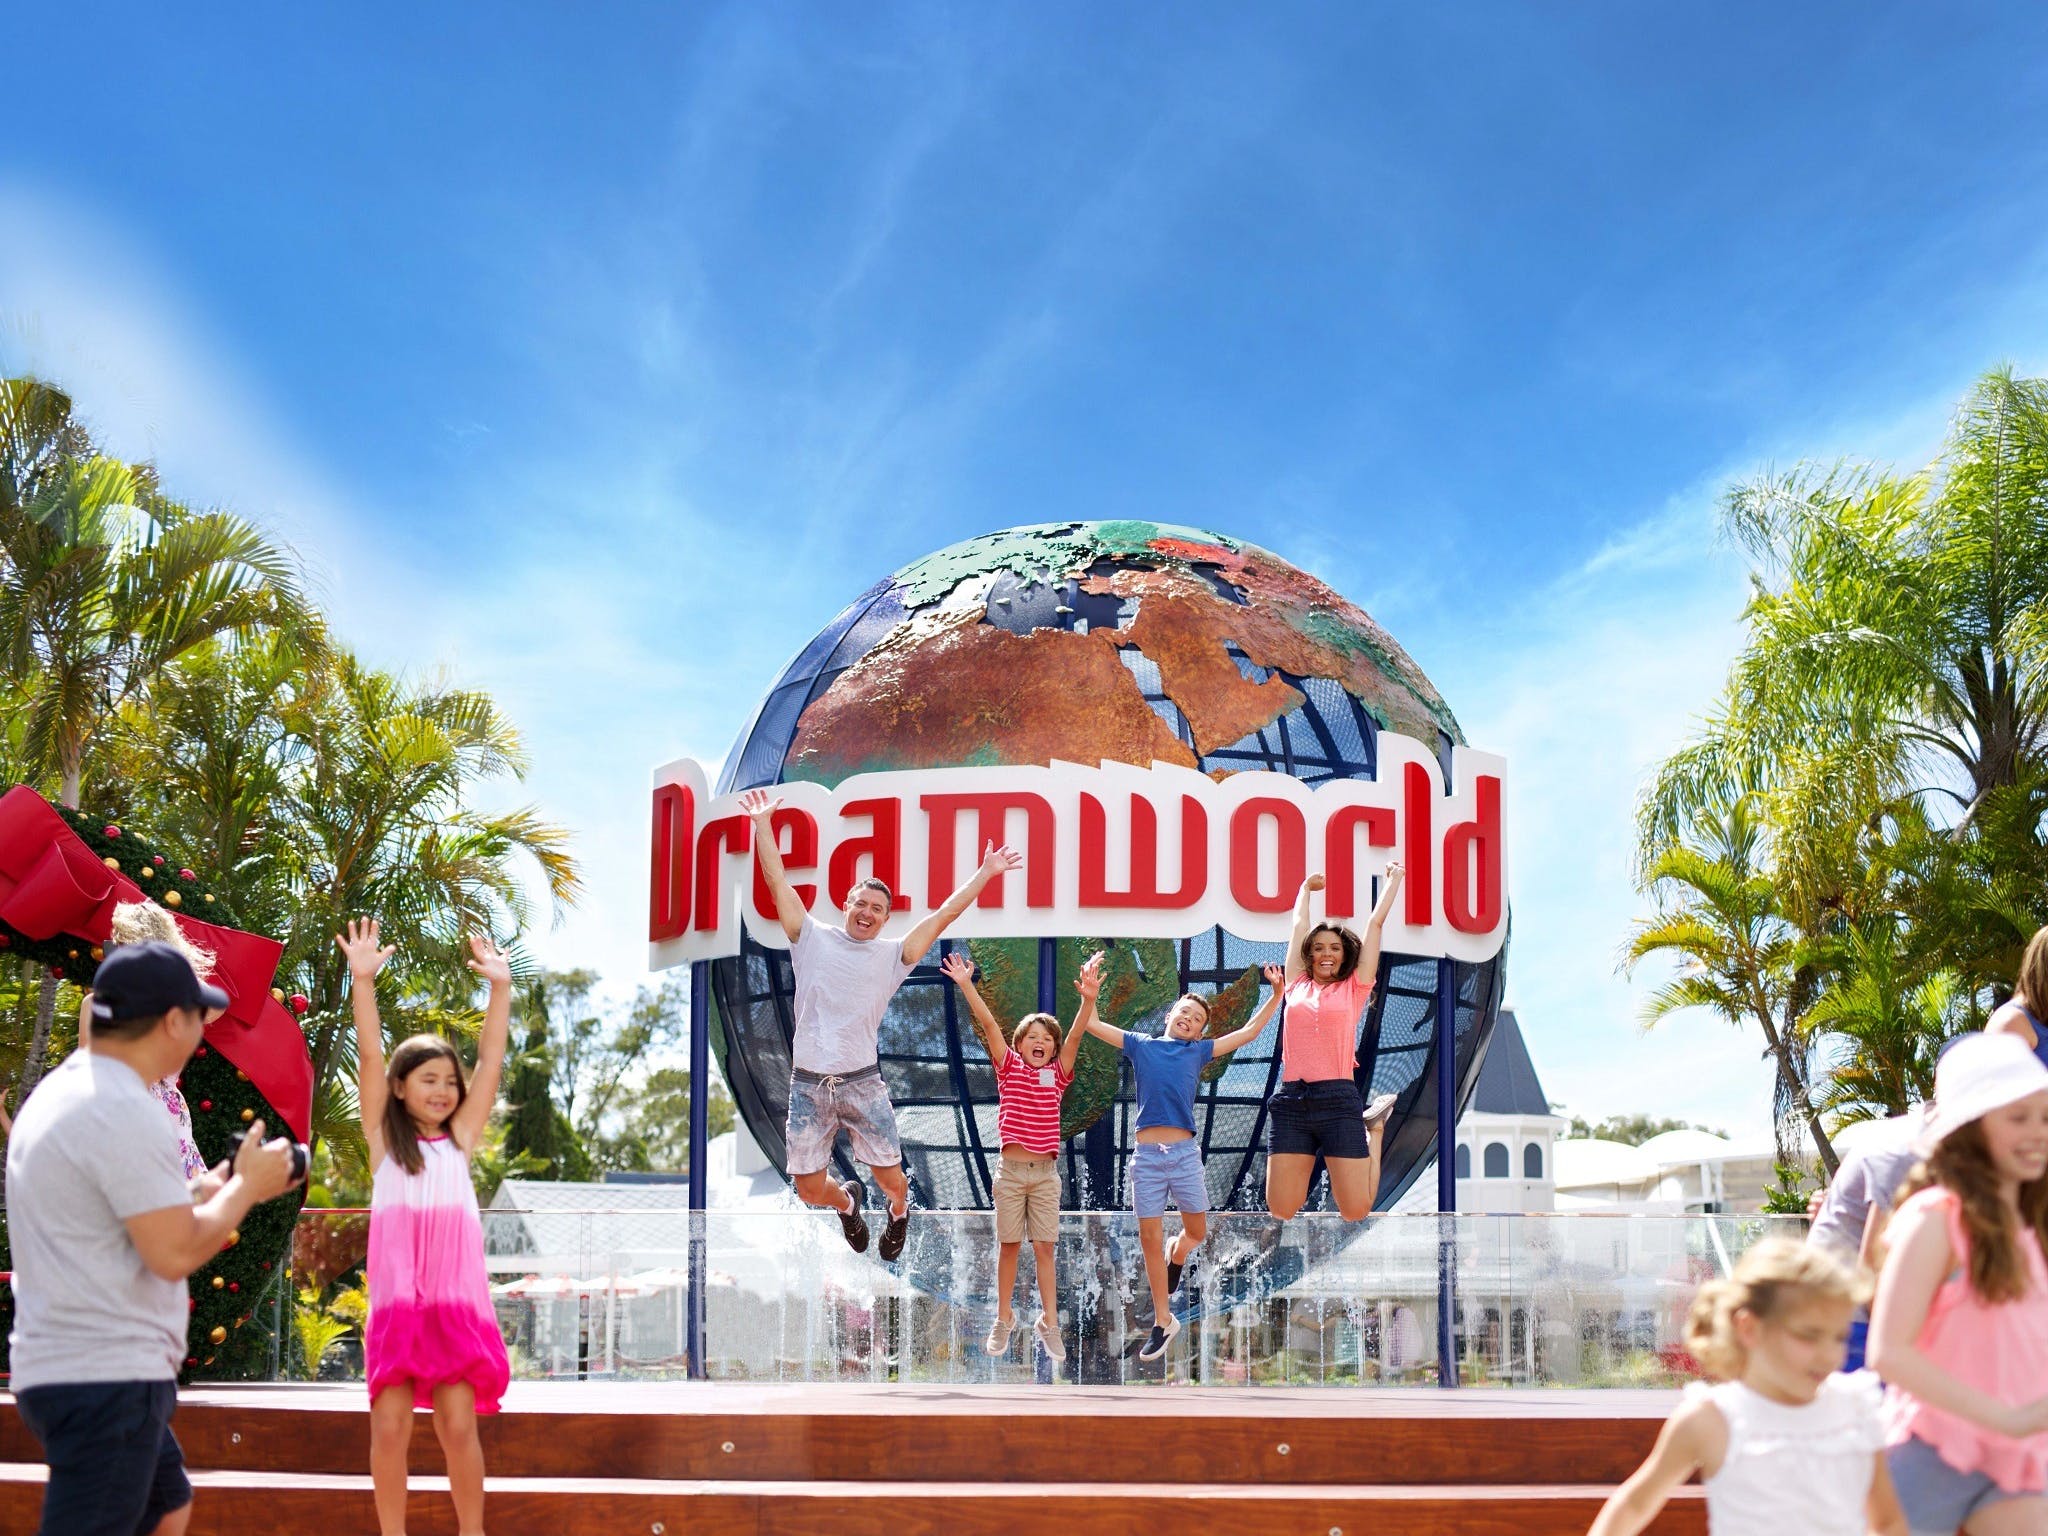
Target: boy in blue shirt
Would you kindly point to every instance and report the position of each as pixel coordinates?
(1166, 1164)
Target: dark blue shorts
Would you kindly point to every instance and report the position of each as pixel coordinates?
(1311, 1118)
(115, 1466)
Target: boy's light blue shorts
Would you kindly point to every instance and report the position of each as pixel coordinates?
(1168, 1170)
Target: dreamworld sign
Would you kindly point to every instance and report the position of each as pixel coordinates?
(1115, 851)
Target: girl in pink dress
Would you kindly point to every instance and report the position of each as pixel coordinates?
(1960, 1330)
(432, 1340)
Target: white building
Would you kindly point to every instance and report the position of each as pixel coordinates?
(1508, 1134)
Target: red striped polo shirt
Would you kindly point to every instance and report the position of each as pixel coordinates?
(1028, 1104)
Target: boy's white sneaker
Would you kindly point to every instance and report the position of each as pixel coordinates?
(1048, 1332)
(998, 1340)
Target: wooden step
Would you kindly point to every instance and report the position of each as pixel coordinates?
(910, 1434)
(275, 1504)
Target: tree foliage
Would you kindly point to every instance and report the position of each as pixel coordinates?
(1883, 734)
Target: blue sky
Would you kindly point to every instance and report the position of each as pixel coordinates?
(600, 354)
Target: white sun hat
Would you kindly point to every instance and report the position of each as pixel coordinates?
(1976, 1075)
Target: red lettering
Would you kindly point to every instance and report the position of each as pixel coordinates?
(668, 887)
(1144, 882)
(882, 847)
(1286, 817)
(1472, 862)
(991, 812)
(1418, 844)
(726, 835)
(796, 838)
(1340, 849)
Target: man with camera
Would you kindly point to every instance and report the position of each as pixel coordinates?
(105, 1230)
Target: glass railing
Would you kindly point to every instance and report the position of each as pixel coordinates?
(1575, 1300)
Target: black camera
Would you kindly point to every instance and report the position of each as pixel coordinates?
(302, 1155)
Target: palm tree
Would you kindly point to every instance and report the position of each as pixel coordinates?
(104, 584)
(1891, 1022)
(1719, 916)
(380, 819)
(1898, 628)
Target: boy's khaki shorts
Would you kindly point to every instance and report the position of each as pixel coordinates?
(1027, 1198)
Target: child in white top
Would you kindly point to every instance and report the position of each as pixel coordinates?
(1785, 1442)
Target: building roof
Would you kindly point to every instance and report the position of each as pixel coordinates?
(1508, 1084)
(1589, 1161)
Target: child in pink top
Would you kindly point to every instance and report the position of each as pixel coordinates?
(432, 1339)
(1033, 1070)
(1319, 1110)
(1960, 1330)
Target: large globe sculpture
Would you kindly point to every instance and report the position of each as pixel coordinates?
(1090, 642)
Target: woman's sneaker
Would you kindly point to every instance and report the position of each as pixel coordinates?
(1162, 1335)
(891, 1246)
(1378, 1110)
(1048, 1333)
(852, 1223)
(998, 1340)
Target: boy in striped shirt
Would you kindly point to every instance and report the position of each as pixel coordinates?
(1033, 1070)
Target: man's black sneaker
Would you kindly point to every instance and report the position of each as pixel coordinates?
(1162, 1335)
(891, 1248)
(852, 1223)
(1173, 1274)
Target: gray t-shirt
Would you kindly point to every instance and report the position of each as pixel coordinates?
(1869, 1176)
(843, 987)
(90, 1149)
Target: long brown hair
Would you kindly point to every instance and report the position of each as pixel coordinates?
(2032, 981)
(401, 1136)
(1353, 948)
(1962, 1164)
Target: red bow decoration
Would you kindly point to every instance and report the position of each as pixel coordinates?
(52, 883)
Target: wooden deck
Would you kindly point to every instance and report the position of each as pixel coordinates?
(566, 1460)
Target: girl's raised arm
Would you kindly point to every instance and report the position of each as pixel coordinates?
(489, 962)
(1276, 983)
(960, 971)
(1376, 925)
(365, 959)
(1088, 983)
(1295, 964)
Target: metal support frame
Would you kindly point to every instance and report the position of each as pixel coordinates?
(700, 1141)
(1446, 1145)
(1446, 1171)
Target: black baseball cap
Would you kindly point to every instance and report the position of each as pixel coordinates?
(140, 981)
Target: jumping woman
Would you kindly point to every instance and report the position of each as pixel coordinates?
(1318, 1109)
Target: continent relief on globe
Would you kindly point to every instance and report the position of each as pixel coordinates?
(1139, 982)
(962, 681)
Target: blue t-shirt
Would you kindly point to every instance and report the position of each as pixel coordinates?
(1167, 1071)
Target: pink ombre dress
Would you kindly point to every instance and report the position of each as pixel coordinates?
(431, 1321)
(2000, 1348)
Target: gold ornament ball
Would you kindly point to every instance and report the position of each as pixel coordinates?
(219, 1281)
(234, 1237)
(72, 954)
(98, 953)
(112, 863)
(219, 1335)
(248, 1115)
(278, 993)
(173, 899)
(145, 873)
(209, 896)
(241, 1074)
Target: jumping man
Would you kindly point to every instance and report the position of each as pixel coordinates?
(845, 978)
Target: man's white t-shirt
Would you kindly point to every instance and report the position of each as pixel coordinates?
(843, 987)
(91, 1148)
